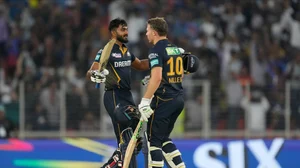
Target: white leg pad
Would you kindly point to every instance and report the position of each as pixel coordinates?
(169, 157)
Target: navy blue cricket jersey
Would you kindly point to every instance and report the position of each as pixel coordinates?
(168, 56)
(119, 67)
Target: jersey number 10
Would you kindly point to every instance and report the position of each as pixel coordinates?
(178, 69)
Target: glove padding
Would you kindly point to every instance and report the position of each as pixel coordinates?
(99, 77)
(145, 109)
(145, 81)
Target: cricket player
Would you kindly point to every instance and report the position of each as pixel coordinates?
(163, 100)
(118, 99)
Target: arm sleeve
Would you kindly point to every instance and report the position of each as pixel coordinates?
(97, 58)
(155, 59)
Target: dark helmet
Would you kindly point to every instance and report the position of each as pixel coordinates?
(126, 114)
(190, 63)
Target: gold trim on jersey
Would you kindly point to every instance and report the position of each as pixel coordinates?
(123, 50)
(164, 99)
(119, 79)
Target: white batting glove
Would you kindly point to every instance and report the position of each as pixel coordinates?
(99, 77)
(146, 79)
(145, 109)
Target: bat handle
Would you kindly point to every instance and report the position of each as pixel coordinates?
(97, 86)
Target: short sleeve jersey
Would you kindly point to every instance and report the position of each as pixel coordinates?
(168, 57)
(119, 67)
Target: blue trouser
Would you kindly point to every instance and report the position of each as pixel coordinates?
(160, 125)
(111, 99)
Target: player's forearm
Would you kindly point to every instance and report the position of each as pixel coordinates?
(145, 64)
(152, 87)
(88, 75)
(141, 65)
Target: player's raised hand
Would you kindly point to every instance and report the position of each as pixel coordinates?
(99, 77)
(145, 109)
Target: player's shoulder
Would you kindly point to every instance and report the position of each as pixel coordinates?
(158, 48)
(168, 44)
(153, 53)
(172, 49)
(164, 45)
(115, 47)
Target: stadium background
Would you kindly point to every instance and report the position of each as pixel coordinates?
(246, 90)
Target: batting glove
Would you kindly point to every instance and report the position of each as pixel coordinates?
(99, 77)
(146, 79)
(145, 109)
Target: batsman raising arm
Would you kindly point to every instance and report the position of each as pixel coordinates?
(116, 75)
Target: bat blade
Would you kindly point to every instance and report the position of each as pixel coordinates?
(105, 56)
(132, 144)
(106, 53)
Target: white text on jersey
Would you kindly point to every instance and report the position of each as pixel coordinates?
(122, 63)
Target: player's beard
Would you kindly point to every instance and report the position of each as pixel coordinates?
(122, 39)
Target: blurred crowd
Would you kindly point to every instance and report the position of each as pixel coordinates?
(242, 45)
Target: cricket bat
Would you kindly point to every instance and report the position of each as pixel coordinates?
(105, 56)
(132, 144)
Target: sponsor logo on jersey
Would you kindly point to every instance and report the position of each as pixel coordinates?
(154, 62)
(152, 55)
(98, 55)
(173, 51)
(116, 55)
(122, 63)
